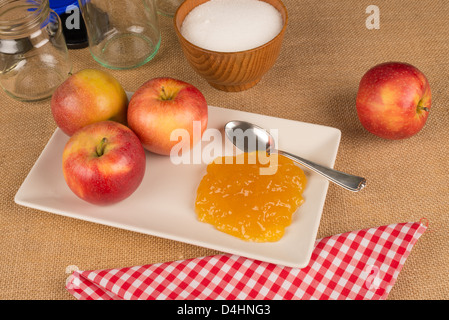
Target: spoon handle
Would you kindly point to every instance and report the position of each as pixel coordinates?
(345, 180)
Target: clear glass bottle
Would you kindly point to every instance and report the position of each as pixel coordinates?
(122, 34)
(34, 58)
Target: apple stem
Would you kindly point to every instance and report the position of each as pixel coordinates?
(101, 147)
(421, 108)
(164, 94)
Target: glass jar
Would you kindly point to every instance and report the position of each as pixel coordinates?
(122, 34)
(33, 53)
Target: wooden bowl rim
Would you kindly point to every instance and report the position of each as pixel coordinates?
(280, 34)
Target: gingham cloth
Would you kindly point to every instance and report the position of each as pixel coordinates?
(355, 265)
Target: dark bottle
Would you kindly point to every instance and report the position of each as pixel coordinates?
(73, 26)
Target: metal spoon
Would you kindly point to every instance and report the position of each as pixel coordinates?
(262, 140)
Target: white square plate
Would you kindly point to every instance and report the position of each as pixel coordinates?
(163, 205)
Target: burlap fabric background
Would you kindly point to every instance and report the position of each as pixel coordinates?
(326, 51)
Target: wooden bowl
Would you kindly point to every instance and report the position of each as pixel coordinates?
(230, 71)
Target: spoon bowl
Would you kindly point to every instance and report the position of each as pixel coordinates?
(249, 137)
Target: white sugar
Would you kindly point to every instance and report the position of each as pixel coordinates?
(232, 25)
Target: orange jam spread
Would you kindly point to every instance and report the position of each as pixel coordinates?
(239, 198)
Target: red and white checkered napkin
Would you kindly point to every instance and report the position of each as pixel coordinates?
(355, 265)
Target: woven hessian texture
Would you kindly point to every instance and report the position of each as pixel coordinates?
(327, 49)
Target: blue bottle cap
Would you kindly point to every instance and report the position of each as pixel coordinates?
(60, 6)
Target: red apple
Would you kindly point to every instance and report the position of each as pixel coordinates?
(104, 162)
(162, 105)
(86, 97)
(393, 100)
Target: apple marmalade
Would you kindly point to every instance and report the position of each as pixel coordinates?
(237, 197)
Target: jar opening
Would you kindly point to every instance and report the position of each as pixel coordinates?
(20, 17)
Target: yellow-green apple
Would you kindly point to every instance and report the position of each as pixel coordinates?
(88, 96)
(104, 162)
(162, 105)
(393, 100)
